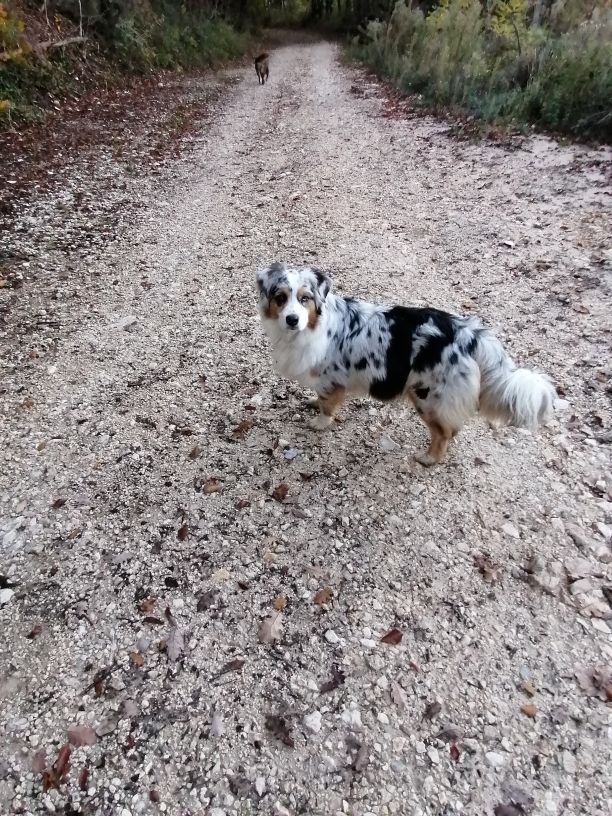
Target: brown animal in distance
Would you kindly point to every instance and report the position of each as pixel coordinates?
(261, 68)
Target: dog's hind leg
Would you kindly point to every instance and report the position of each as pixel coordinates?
(329, 405)
(441, 435)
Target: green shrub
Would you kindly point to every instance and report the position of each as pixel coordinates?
(496, 67)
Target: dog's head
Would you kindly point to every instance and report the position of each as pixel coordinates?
(291, 295)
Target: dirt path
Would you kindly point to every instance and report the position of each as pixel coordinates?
(146, 437)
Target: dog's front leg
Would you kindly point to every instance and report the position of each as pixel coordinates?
(329, 404)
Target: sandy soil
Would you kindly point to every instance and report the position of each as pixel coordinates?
(161, 496)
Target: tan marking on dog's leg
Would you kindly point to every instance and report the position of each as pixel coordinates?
(329, 405)
(440, 437)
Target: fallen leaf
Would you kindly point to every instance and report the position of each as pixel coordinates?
(486, 568)
(517, 797)
(279, 603)
(398, 695)
(529, 710)
(153, 620)
(54, 776)
(211, 486)
(36, 631)
(271, 629)
(183, 533)
(194, 453)
(137, 659)
(508, 810)
(39, 761)
(240, 505)
(242, 429)
(392, 637)
(280, 729)
(432, 710)
(280, 492)
(528, 687)
(99, 682)
(596, 681)
(83, 779)
(337, 679)
(323, 596)
(449, 734)
(362, 758)
(147, 604)
(79, 735)
(58, 503)
(454, 752)
(206, 599)
(175, 644)
(233, 665)
(154, 796)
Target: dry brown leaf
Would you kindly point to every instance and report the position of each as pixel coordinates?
(153, 620)
(211, 486)
(54, 776)
(183, 533)
(271, 629)
(337, 679)
(39, 761)
(83, 779)
(147, 604)
(243, 427)
(529, 710)
(323, 596)
(279, 727)
(58, 503)
(137, 659)
(486, 568)
(242, 503)
(194, 453)
(279, 603)
(280, 492)
(432, 710)
(454, 752)
(233, 665)
(596, 681)
(35, 632)
(79, 735)
(398, 695)
(392, 637)
(528, 687)
(362, 758)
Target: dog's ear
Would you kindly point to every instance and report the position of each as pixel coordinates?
(268, 276)
(324, 284)
(262, 277)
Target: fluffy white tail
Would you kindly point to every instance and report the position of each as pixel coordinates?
(516, 396)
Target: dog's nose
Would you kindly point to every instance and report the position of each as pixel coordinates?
(292, 321)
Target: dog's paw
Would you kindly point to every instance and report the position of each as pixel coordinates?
(320, 422)
(425, 458)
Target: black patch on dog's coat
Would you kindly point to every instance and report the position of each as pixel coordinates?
(403, 323)
(361, 364)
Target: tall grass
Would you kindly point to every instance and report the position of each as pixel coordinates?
(493, 66)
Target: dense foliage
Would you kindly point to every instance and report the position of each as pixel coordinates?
(548, 65)
(547, 62)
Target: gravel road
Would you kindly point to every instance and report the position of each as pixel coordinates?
(207, 608)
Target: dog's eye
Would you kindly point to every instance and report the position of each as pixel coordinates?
(305, 299)
(280, 299)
